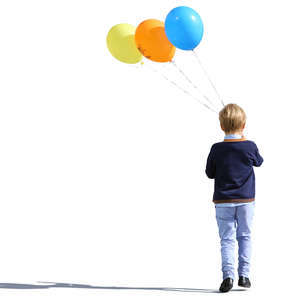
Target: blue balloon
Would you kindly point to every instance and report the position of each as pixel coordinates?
(184, 27)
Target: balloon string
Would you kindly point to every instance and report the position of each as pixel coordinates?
(208, 77)
(190, 81)
(181, 88)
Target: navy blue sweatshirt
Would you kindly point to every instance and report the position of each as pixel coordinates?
(231, 163)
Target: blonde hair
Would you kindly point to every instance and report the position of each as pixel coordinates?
(232, 118)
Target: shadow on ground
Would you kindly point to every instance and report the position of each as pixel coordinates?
(48, 285)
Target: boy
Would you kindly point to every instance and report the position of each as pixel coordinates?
(231, 163)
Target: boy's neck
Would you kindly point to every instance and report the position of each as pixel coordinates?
(234, 137)
(235, 133)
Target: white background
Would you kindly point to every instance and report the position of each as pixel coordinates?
(102, 164)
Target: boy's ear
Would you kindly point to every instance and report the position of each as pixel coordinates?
(244, 125)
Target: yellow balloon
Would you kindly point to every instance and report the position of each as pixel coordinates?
(121, 44)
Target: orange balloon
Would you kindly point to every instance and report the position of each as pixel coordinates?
(152, 41)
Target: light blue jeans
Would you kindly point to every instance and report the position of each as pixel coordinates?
(235, 223)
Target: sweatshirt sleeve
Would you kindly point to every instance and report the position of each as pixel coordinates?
(255, 157)
(210, 165)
